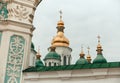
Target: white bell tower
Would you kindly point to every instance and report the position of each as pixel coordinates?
(16, 29)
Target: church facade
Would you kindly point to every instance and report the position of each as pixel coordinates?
(20, 63)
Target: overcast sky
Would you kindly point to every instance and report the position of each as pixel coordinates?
(84, 21)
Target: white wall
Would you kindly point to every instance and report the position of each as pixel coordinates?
(111, 75)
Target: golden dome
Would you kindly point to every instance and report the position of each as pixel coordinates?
(60, 40)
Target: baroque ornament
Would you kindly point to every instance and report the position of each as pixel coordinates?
(15, 59)
(21, 12)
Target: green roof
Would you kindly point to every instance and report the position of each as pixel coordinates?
(52, 55)
(100, 59)
(39, 63)
(82, 61)
(74, 67)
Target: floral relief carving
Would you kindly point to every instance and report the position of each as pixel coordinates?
(21, 12)
(15, 59)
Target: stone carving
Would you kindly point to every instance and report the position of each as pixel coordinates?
(21, 12)
(15, 59)
(3, 11)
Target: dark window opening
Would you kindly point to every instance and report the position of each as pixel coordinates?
(54, 64)
(64, 60)
(49, 63)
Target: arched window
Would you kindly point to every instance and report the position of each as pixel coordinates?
(64, 59)
(49, 63)
(54, 64)
(69, 60)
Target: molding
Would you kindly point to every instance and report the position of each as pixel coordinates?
(17, 31)
(24, 4)
(71, 74)
(22, 25)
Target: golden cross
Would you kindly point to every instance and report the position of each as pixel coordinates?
(60, 14)
(38, 49)
(88, 49)
(98, 38)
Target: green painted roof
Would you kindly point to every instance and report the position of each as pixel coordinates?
(100, 59)
(81, 61)
(52, 55)
(39, 63)
(74, 67)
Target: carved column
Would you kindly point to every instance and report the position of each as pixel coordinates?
(16, 29)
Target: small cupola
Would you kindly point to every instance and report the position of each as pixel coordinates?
(100, 58)
(82, 59)
(38, 62)
(52, 58)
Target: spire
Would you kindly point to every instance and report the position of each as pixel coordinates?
(88, 56)
(60, 39)
(60, 24)
(38, 54)
(81, 60)
(82, 53)
(60, 14)
(38, 62)
(100, 58)
(99, 47)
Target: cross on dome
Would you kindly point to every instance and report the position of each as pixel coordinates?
(60, 14)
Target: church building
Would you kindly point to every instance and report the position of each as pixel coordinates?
(20, 63)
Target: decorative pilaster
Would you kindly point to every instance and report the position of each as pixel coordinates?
(15, 59)
(16, 18)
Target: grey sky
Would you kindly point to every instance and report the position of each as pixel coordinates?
(84, 20)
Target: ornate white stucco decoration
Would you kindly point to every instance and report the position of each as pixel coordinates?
(21, 12)
(15, 59)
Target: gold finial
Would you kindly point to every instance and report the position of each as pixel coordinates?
(88, 56)
(99, 47)
(60, 14)
(60, 22)
(99, 41)
(82, 53)
(38, 53)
